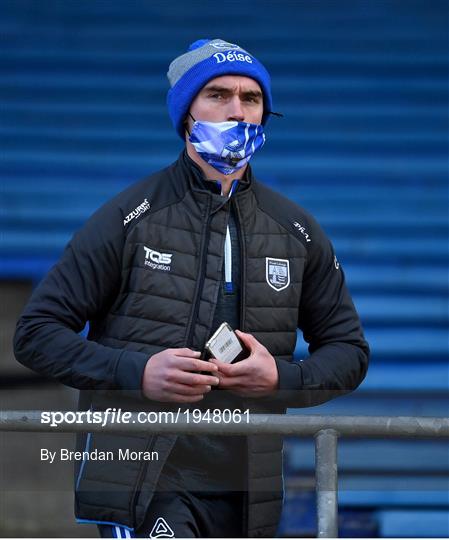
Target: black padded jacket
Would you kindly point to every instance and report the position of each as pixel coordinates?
(145, 272)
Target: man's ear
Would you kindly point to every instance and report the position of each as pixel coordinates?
(186, 126)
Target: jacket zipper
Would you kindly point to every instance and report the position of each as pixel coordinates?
(242, 328)
(199, 289)
(149, 448)
(242, 268)
(229, 285)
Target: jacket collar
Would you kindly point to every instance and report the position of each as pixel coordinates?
(199, 182)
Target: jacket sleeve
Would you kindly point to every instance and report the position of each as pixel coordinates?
(339, 354)
(80, 287)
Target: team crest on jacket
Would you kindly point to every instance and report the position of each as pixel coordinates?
(277, 273)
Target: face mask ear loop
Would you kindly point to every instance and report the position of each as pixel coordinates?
(187, 126)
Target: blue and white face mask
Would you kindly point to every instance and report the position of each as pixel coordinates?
(226, 146)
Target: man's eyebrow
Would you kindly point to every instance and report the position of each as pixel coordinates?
(215, 88)
(229, 90)
(253, 93)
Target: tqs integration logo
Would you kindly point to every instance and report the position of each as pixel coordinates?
(156, 260)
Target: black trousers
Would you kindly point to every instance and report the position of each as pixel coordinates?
(177, 514)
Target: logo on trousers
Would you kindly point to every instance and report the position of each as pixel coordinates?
(161, 529)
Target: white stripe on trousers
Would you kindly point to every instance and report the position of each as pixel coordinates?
(122, 532)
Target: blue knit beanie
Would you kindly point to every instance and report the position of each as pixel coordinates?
(205, 60)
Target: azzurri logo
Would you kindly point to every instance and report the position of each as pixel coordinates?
(141, 209)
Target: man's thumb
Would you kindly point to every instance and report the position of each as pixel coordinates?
(248, 340)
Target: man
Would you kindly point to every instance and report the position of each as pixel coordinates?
(155, 272)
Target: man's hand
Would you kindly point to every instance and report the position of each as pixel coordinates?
(256, 376)
(170, 376)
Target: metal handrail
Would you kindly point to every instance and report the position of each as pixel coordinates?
(325, 429)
